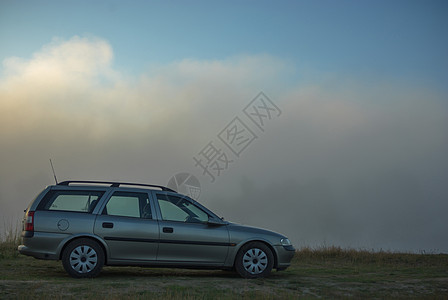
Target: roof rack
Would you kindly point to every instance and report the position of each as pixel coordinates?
(116, 184)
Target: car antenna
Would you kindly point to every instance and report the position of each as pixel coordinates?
(54, 173)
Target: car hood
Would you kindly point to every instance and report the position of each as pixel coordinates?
(243, 232)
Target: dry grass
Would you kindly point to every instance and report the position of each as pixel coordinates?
(354, 256)
(9, 241)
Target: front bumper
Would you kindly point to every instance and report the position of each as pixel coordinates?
(284, 256)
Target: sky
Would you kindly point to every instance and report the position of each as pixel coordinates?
(352, 148)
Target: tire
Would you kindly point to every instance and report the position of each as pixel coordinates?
(83, 258)
(254, 260)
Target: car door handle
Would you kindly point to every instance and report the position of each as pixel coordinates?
(108, 225)
(168, 229)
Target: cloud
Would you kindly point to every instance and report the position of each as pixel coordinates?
(78, 59)
(68, 102)
(73, 84)
(348, 163)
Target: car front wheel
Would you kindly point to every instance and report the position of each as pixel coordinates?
(254, 260)
(83, 258)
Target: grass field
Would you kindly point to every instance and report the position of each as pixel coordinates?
(328, 272)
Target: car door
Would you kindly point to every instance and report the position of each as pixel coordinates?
(185, 235)
(127, 225)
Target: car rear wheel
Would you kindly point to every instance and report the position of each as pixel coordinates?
(254, 260)
(83, 258)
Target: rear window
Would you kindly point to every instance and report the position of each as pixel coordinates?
(129, 204)
(76, 201)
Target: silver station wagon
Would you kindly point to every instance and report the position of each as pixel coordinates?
(88, 224)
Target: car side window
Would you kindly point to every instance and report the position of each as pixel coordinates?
(180, 209)
(76, 201)
(129, 204)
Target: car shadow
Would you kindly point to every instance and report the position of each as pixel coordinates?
(115, 272)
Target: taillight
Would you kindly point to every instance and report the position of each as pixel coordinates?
(29, 221)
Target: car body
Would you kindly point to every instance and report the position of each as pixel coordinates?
(90, 224)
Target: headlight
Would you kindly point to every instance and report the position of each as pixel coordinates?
(285, 242)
